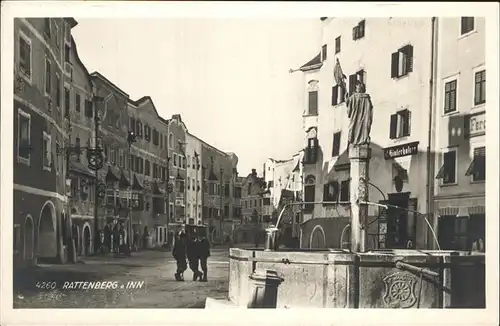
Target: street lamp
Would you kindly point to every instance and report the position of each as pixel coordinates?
(131, 138)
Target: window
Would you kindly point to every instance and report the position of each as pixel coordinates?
(58, 158)
(147, 170)
(24, 136)
(400, 124)
(77, 102)
(480, 87)
(313, 102)
(171, 141)
(466, 25)
(58, 91)
(345, 191)
(77, 149)
(66, 102)
(131, 125)
(67, 52)
(156, 140)
(189, 161)
(175, 160)
(121, 158)
(358, 31)
(249, 191)
(188, 183)
(237, 192)
(402, 62)
(477, 168)
(331, 191)
(147, 133)
(448, 171)
(311, 151)
(450, 96)
(25, 56)
(336, 144)
(88, 109)
(227, 190)
(46, 151)
(112, 156)
(309, 193)
(48, 77)
(337, 45)
(183, 162)
(226, 211)
(338, 95)
(138, 127)
(46, 30)
(356, 78)
(324, 52)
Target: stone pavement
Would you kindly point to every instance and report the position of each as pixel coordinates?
(155, 268)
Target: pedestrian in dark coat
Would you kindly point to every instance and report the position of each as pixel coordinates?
(193, 256)
(204, 253)
(179, 253)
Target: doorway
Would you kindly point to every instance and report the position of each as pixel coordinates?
(29, 239)
(86, 240)
(401, 224)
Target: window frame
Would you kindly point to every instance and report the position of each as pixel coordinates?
(338, 44)
(448, 150)
(475, 146)
(27, 78)
(47, 80)
(170, 141)
(21, 159)
(47, 154)
(309, 93)
(408, 64)
(67, 110)
(400, 135)
(445, 92)
(472, 31)
(335, 133)
(78, 101)
(121, 158)
(476, 71)
(356, 30)
(58, 92)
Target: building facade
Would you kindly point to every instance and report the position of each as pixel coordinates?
(40, 201)
(194, 183)
(460, 124)
(397, 77)
(150, 214)
(254, 190)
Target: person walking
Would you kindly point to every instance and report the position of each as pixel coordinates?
(179, 253)
(204, 253)
(193, 255)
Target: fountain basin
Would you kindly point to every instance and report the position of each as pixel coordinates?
(336, 278)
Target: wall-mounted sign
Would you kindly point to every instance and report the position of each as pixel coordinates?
(401, 150)
(475, 124)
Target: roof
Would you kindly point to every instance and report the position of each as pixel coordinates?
(314, 63)
(97, 74)
(141, 101)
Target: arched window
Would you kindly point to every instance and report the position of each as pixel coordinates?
(171, 141)
(309, 193)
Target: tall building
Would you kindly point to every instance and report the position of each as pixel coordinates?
(253, 193)
(194, 183)
(149, 186)
(40, 201)
(460, 125)
(391, 57)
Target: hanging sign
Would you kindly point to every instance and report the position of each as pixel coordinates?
(95, 159)
(401, 150)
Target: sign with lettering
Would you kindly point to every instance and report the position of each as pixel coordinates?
(475, 124)
(401, 150)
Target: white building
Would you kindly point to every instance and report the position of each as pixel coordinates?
(392, 57)
(282, 175)
(460, 124)
(193, 180)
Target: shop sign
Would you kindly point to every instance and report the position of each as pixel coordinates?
(401, 150)
(475, 124)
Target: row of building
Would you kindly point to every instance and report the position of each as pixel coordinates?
(427, 81)
(156, 176)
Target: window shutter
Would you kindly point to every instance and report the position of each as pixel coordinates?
(409, 58)
(355, 32)
(335, 93)
(313, 103)
(393, 126)
(394, 64)
(406, 125)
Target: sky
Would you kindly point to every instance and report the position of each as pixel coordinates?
(228, 78)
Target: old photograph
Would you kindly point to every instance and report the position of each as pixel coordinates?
(328, 162)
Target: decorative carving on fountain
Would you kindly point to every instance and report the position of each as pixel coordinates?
(399, 290)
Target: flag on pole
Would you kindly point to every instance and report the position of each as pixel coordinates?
(339, 76)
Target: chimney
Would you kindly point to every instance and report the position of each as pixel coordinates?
(254, 172)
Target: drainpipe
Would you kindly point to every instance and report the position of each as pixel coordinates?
(431, 128)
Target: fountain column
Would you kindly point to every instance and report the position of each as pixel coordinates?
(359, 156)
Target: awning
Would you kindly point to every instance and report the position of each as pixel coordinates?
(124, 181)
(157, 190)
(441, 172)
(113, 174)
(79, 167)
(478, 163)
(312, 64)
(137, 184)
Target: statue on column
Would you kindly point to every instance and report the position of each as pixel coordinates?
(360, 113)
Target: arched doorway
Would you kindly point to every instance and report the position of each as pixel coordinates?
(86, 240)
(75, 232)
(317, 240)
(47, 240)
(29, 239)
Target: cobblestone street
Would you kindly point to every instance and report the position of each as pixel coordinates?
(155, 268)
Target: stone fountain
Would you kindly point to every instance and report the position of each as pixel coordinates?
(355, 278)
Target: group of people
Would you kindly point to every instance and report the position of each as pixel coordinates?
(196, 251)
